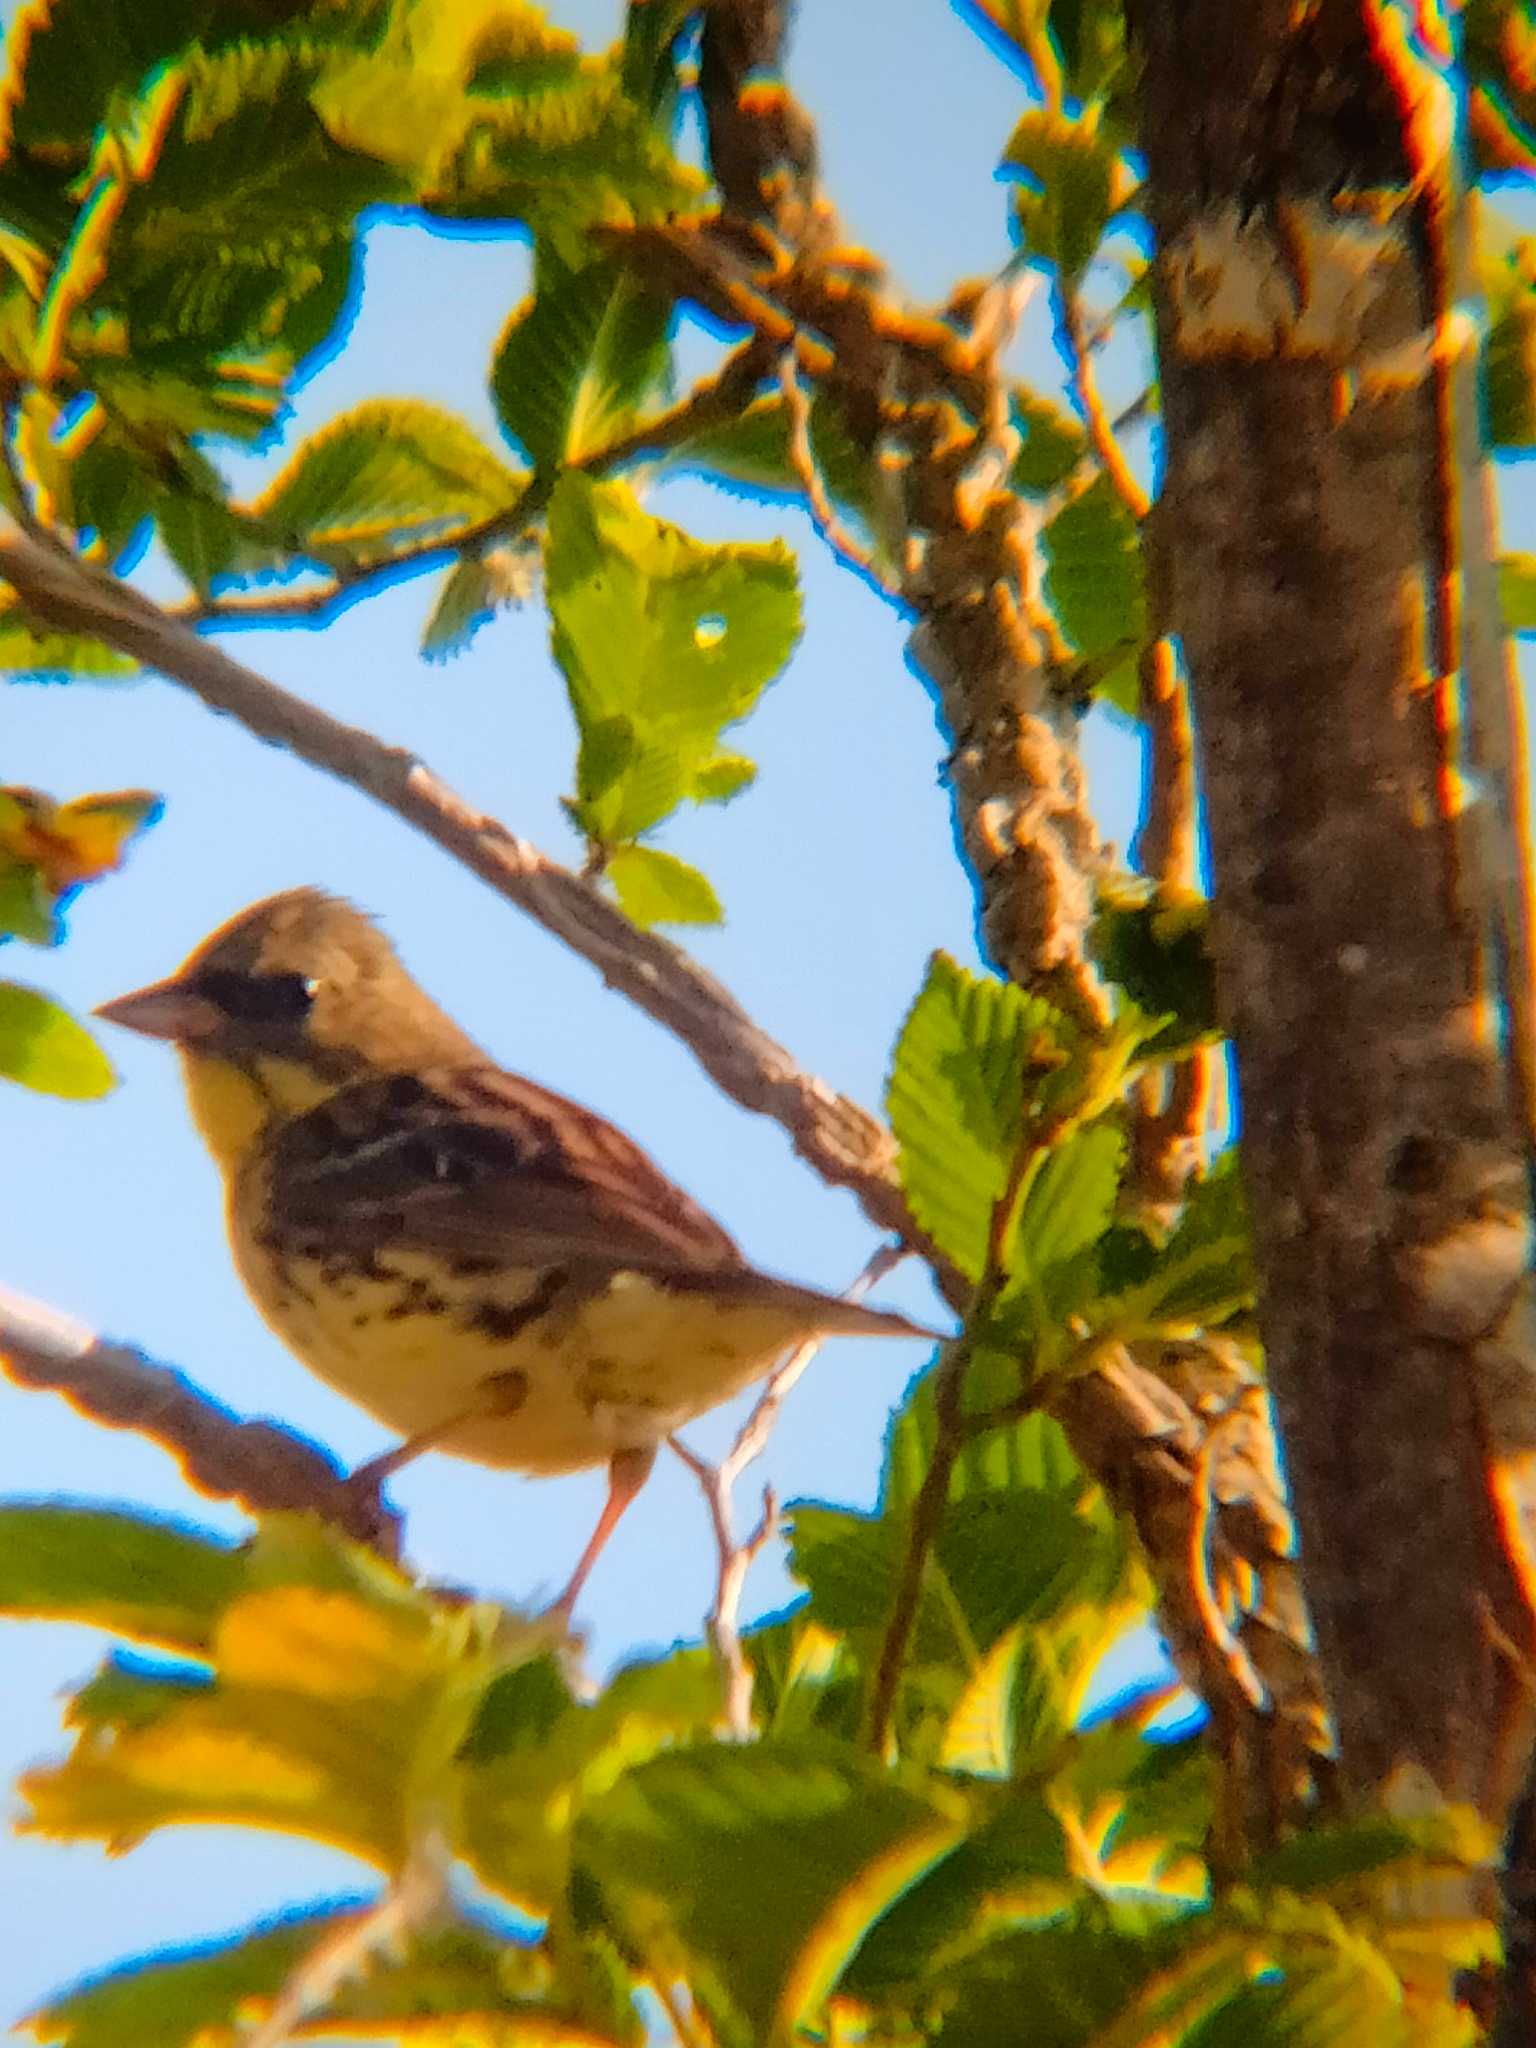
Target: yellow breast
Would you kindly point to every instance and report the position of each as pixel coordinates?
(493, 1365)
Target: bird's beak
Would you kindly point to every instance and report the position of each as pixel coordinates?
(166, 1009)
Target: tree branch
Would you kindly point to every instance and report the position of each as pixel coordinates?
(1172, 1109)
(265, 1468)
(845, 1144)
(736, 1556)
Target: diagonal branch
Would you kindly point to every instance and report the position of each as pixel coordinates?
(264, 1467)
(845, 1144)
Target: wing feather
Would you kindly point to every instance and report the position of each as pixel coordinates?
(477, 1163)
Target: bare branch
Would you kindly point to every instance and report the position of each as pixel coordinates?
(844, 1143)
(1173, 1108)
(416, 1898)
(265, 1468)
(717, 1482)
(1085, 392)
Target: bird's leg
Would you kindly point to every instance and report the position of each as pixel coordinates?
(627, 1473)
(365, 1482)
(501, 1393)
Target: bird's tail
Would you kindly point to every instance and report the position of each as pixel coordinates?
(816, 1313)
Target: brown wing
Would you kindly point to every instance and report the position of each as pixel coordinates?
(477, 1163)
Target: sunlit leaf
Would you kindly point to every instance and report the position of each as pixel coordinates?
(34, 651)
(756, 1869)
(657, 888)
(505, 120)
(337, 1692)
(1075, 182)
(1204, 1274)
(1096, 581)
(1054, 442)
(44, 1048)
(578, 359)
(472, 592)
(460, 1979)
(1517, 592)
(145, 1579)
(957, 1095)
(663, 640)
(388, 474)
(49, 850)
(1509, 361)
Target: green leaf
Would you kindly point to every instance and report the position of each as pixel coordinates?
(1075, 186)
(473, 591)
(665, 636)
(1336, 1856)
(1096, 583)
(144, 1579)
(727, 775)
(1054, 442)
(390, 474)
(240, 215)
(529, 1763)
(1517, 592)
(1075, 1975)
(26, 904)
(44, 1048)
(50, 850)
(1069, 48)
(753, 448)
(755, 1869)
(1205, 1273)
(1158, 951)
(1509, 361)
(1069, 1205)
(202, 536)
(339, 1694)
(110, 491)
(35, 651)
(968, 1055)
(657, 888)
(451, 1978)
(651, 27)
(579, 358)
(513, 126)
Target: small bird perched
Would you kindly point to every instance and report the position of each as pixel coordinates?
(486, 1267)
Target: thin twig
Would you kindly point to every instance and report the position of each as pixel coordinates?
(717, 1482)
(950, 1434)
(416, 1897)
(1084, 386)
(1173, 1108)
(927, 1511)
(687, 2030)
(266, 1469)
(802, 460)
(719, 396)
(1217, 1629)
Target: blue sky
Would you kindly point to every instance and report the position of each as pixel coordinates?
(837, 871)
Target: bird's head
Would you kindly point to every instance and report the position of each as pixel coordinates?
(289, 1001)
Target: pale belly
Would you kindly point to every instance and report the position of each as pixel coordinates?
(614, 1369)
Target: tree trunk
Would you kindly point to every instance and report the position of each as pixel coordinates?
(1325, 545)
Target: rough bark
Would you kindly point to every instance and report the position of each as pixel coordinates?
(1327, 548)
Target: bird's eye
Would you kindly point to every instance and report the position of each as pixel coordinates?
(259, 998)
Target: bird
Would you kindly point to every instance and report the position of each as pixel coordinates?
(486, 1267)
